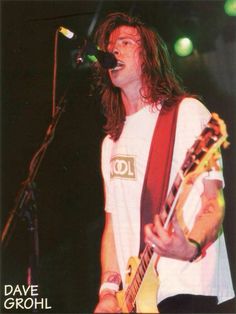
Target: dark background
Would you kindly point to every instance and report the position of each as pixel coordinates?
(69, 187)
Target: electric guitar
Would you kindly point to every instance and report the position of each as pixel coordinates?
(142, 282)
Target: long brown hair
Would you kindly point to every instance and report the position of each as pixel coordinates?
(157, 72)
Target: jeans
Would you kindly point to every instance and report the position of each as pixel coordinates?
(187, 303)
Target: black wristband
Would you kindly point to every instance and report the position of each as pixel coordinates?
(199, 250)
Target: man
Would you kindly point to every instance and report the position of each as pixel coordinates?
(133, 94)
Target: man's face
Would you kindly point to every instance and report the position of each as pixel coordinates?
(125, 44)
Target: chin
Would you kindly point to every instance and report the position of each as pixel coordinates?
(117, 83)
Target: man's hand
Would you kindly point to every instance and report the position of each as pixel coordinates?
(107, 304)
(173, 245)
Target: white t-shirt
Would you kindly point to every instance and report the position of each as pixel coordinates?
(123, 167)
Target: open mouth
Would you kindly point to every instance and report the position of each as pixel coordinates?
(119, 66)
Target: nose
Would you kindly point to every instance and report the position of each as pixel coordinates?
(113, 47)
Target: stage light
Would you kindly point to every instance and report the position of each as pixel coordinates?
(183, 46)
(92, 58)
(230, 7)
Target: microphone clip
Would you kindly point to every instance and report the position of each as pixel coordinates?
(86, 51)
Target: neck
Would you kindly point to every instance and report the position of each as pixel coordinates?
(132, 99)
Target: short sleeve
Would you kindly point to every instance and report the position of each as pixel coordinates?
(192, 119)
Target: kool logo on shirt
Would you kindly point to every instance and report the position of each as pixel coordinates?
(123, 166)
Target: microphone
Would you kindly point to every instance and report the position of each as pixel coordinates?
(106, 59)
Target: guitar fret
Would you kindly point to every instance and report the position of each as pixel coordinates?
(149, 249)
(174, 189)
(167, 208)
(132, 295)
(130, 307)
(178, 179)
(142, 270)
(130, 301)
(138, 276)
(135, 285)
(146, 258)
(171, 198)
(150, 252)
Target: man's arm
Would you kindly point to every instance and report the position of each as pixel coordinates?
(110, 277)
(108, 253)
(205, 230)
(210, 218)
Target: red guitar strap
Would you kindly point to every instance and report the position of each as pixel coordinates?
(158, 168)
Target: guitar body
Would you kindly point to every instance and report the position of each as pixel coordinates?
(146, 299)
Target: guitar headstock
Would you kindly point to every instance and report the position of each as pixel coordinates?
(219, 127)
(204, 153)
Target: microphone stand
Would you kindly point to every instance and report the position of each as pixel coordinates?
(25, 204)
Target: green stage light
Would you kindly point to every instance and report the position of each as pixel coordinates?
(230, 7)
(183, 47)
(92, 58)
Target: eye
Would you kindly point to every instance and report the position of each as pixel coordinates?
(126, 42)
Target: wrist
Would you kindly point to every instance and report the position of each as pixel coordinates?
(197, 252)
(111, 284)
(106, 292)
